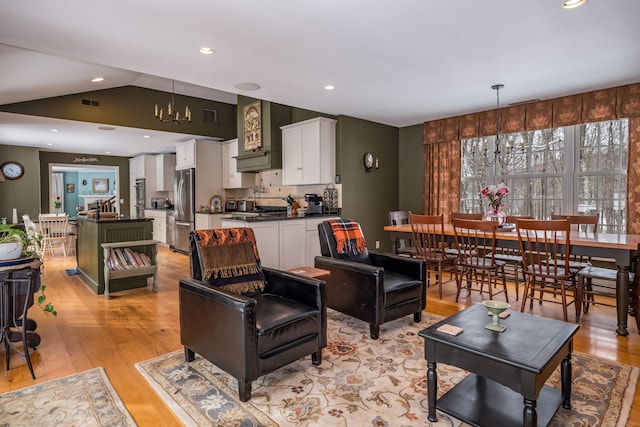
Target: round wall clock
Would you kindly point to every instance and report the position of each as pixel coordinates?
(12, 170)
(368, 161)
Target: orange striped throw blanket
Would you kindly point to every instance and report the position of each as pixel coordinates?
(348, 235)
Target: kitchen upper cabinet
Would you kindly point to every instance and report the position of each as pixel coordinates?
(143, 167)
(165, 168)
(309, 152)
(186, 155)
(231, 178)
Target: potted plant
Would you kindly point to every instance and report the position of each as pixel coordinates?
(17, 243)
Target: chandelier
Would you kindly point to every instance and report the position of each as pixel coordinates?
(172, 113)
(506, 152)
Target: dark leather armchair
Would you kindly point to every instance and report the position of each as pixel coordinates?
(249, 336)
(373, 287)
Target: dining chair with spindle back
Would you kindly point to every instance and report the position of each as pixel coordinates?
(428, 238)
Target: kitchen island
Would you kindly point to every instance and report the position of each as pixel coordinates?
(93, 233)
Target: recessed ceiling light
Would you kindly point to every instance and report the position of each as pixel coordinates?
(97, 79)
(49, 143)
(571, 4)
(107, 152)
(329, 87)
(106, 128)
(248, 86)
(146, 136)
(206, 50)
(54, 130)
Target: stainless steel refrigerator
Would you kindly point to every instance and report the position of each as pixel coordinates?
(182, 222)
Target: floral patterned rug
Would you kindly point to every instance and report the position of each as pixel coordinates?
(364, 382)
(84, 399)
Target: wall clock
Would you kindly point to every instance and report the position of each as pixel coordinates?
(368, 161)
(12, 170)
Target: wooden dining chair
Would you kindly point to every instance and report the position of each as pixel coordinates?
(463, 215)
(512, 258)
(428, 237)
(401, 245)
(544, 247)
(477, 266)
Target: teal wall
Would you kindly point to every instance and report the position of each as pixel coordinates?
(71, 199)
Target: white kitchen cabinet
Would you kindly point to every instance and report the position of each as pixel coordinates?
(231, 178)
(206, 157)
(132, 187)
(159, 224)
(313, 240)
(144, 167)
(208, 221)
(309, 152)
(292, 241)
(186, 155)
(165, 168)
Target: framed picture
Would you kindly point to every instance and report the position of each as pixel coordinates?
(252, 126)
(71, 188)
(100, 185)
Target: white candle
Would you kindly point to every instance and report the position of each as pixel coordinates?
(15, 216)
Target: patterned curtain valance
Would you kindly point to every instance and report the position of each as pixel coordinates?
(608, 104)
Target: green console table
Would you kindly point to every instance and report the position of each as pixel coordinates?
(90, 255)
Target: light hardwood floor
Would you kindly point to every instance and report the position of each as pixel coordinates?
(136, 325)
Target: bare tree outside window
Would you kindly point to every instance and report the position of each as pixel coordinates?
(578, 169)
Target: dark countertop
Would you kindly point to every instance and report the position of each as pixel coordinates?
(121, 219)
(275, 217)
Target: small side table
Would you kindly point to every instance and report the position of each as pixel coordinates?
(315, 273)
(19, 280)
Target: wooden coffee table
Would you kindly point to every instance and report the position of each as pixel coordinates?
(504, 368)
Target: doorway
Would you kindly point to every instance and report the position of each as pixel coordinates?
(78, 188)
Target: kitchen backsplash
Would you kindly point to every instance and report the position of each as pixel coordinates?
(269, 191)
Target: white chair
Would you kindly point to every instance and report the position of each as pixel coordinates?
(54, 230)
(32, 232)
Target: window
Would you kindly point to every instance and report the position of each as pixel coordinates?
(579, 169)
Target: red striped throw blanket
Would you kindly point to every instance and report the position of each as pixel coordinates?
(348, 235)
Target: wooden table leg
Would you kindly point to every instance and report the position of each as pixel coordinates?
(530, 415)
(432, 390)
(565, 377)
(622, 299)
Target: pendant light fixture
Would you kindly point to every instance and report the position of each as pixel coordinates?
(505, 152)
(172, 113)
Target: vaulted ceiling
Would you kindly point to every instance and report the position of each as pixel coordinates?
(397, 63)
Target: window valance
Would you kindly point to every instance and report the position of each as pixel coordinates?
(607, 104)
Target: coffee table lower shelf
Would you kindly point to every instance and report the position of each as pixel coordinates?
(480, 401)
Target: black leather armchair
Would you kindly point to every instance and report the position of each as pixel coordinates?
(373, 287)
(249, 336)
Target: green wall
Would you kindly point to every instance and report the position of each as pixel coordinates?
(22, 194)
(411, 169)
(132, 106)
(368, 196)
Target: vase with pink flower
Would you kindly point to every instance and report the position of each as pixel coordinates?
(495, 194)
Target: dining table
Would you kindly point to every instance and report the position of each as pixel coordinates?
(619, 247)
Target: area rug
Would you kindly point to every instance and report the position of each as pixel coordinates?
(365, 382)
(83, 399)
